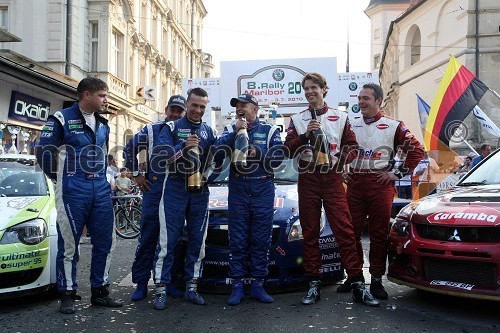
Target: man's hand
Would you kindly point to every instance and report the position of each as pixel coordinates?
(143, 183)
(347, 176)
(313, 125)
(192, 141)
(240, 123)
(386, 177)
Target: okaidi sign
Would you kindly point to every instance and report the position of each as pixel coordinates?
(26, 108)
(276, 82)
(466, 215)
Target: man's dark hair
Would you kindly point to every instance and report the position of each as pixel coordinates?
(316, 78)
(468, 158)
(484, 146)
(378, 92)
(123, 169)
(90, 84)
(198, 92)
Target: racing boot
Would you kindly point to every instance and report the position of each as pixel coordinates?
(100, 297)
(257, 291)
(160, 302)
(313, 294)
(140, 292)
(345, 287)
(192, 294)
(237, 293)
(361, 295)
(377, 289)
(68, 301)
(173, 291)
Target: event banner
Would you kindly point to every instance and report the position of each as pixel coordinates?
(350, 85)
(276, 82)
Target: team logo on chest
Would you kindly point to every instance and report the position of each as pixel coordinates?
(382, 126)
(333, 118)
(204, 134)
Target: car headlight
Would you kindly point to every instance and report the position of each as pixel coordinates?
(295, 232)
(400, 228)
(30, 233)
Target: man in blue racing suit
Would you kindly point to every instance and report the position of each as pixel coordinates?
(178, 207)
(251, 198)
(151, 185)
(72, 150)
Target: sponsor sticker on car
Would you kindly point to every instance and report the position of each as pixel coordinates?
(460, 285)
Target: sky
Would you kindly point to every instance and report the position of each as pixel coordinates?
(283, 29)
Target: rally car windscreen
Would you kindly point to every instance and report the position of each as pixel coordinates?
(21, 180)
(285, 172)
(485, 174)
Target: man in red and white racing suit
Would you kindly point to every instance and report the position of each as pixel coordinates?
(318, 187)
(371, 179)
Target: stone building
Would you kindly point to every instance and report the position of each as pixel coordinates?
(140, 48)
(416, 49)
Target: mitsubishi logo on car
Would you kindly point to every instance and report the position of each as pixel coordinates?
(455, 236)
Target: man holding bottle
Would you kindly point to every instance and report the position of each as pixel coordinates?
(151, 185)
(177, 142)
(322, 186)
(256, 150)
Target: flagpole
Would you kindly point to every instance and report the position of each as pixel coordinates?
(494, 93)
(468, 145)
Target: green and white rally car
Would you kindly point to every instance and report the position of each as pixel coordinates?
(28, 235)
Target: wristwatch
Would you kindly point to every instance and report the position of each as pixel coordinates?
(135, 173)
(398, 173)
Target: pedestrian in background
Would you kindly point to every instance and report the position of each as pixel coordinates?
(123, 183)
(371, 179)
(403, 185)
(251, 198)
(151, 185)
(319, 188)
(483, 153)
(178, 207)
(72, 150)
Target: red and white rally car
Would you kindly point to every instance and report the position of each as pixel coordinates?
(449, 243)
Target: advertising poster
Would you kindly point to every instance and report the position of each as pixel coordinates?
(349, 86)
(275, 82)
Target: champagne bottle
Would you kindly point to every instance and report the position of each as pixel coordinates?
(194, 182)
(240, 152)
(320, 144)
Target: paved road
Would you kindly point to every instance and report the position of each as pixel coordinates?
(407, 310)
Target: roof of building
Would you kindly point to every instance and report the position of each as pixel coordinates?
(374, 3)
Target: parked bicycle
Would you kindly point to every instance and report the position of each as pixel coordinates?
(128, 214)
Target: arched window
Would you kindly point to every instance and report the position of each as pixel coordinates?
(413, 46)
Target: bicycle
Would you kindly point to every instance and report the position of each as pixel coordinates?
(128, 215)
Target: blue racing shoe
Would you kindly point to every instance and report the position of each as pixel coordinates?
(160, 302)
(140, 292)
(192, 294)
(257, 291)
(237, 293)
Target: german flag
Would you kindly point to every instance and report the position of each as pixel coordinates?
(458, 93)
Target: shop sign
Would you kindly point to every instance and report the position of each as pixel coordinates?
(28, 109)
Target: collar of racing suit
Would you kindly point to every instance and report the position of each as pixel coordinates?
(321, 111)
(253, 125)
(373, 119)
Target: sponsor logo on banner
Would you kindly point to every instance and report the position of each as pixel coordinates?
(28, 109)
(466, 215)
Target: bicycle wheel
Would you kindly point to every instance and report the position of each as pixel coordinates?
(127, 222)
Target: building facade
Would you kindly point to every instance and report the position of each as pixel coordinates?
(140, 48)
(417, 49)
